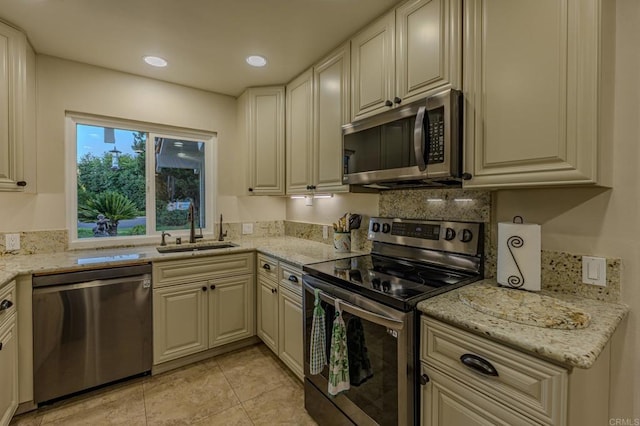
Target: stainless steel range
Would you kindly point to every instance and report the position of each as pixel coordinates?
(410, 261)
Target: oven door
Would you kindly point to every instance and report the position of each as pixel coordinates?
(383, 394)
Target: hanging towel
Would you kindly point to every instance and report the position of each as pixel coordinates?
(359, 363)
(318, 337)
(339, 360)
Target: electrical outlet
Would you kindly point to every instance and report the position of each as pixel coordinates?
(12, 242)
(247, 228)
(594, 270)
(325, 231)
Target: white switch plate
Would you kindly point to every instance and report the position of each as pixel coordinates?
(325, 231)
(594, 270)
(247, 228)
(12, 242)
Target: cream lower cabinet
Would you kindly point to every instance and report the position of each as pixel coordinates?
(201, 303)
(459, 387)
(538, 88)
(280, 311)
(8, 353)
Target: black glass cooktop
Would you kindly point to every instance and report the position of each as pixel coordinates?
(394, 282)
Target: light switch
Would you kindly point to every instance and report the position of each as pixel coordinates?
(594, 270)
(12, 242)
(247, 228)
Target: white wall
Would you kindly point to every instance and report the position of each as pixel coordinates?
(605, 223)
(70, 86)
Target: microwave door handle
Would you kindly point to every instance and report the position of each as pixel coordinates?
(419, 138)
(364, 314)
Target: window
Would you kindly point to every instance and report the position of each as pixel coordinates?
(133, 181)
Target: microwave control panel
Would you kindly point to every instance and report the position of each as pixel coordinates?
(435, 133)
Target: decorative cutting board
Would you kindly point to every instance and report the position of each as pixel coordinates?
(524, 307)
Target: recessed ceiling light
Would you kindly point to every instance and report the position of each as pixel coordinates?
(256, 61)
(155, 61)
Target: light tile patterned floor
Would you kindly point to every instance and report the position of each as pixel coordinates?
(246, 387)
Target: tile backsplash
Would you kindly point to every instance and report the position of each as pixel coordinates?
(38, 242)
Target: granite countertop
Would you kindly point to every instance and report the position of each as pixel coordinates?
(296, 251)
(573, 347)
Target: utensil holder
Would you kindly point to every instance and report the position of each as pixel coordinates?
(342, 242)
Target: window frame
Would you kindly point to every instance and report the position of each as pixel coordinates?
(72, 119)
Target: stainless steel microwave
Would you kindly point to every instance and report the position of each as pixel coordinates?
(418, 144)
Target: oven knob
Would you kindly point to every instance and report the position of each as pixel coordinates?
(376, 283)
(375, 227)
(449, 234)
(386, 228)
(467, 236)
(386, 286)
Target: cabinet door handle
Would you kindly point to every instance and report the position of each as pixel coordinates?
(204, 288)
(21, 183)
(266, 266)
(5, 304)
(0, 346)
(397, 100)
(274, 290)
(424, 379)
(479, 364)
(388, 103)
(212, 286)
(293, 278)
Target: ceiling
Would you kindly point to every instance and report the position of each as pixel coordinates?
(204, 41)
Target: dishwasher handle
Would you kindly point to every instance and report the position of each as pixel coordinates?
(145, 280)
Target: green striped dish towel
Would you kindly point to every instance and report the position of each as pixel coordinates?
(318, 337)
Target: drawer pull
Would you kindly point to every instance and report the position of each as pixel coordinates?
(212, 286)
(479, 364)
(5, 304)
(293, 278)
(266, 266)
(274, 290)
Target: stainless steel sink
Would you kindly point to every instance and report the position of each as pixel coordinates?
(194, 247)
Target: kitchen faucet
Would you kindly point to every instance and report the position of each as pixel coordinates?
(192, 220)
(220, 234)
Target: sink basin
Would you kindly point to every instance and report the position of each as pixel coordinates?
(194, 247)
(525, 307)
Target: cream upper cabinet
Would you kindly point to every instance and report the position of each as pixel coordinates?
(405, 55)
(373, 68)
(538, 90)
(264, 129)
(331, 78)
(299, 133)
(17, 109)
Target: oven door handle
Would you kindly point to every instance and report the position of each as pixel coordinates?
(364, 314)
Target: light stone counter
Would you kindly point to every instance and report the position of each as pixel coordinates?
(576, 348)
(289, 249)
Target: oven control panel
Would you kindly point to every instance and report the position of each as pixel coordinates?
(456, 237)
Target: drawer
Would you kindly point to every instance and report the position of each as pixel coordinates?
(268, 267)
(290, 277)
(7, 301)
(201, 268)
(534, 387)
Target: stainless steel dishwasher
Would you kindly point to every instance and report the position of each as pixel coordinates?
(90, 328)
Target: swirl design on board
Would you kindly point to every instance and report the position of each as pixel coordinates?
(515, 242)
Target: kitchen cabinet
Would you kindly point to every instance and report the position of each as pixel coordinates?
(8, 353)
(521, 389)
(17, 107)
(538, 84)
(405, 55)
(280, 311)
(267, 312)
(201, 304)
(262, 125)
(317, 107)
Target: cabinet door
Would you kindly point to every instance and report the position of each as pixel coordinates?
(13, 104)
(532, 86)
(447, 402)
(179, 321)
(428, 47)
(8, 370)
(231, 309)
(331, 110)
(266, 140)
(267, 308)
(290, 346)
(299, 133)
(373, 68)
